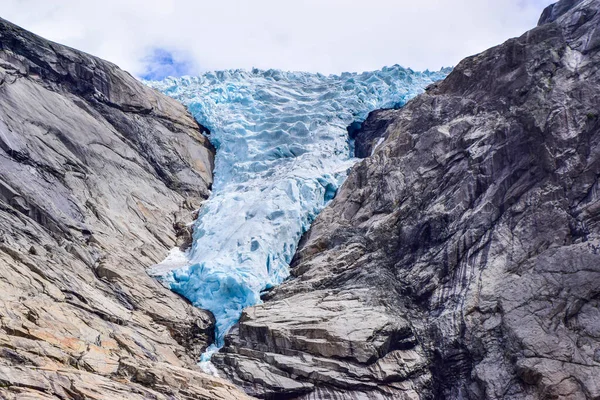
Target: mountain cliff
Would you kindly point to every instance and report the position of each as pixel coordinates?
(461, 259)
(99, 175)
(458, 260)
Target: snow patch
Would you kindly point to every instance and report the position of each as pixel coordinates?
(379, 141)
(176, 259)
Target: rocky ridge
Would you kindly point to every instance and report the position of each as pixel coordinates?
(99, 176)
(461, 259)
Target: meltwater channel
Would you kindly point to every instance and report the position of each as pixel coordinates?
(282, 152)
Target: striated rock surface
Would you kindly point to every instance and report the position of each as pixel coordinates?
(99, 175)
(461, 260)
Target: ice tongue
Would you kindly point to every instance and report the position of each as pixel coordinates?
(282, 152)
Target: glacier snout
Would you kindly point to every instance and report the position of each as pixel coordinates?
(282, 152)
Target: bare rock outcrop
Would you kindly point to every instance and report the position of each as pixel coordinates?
(368, 134)
(96, 171)
(461, 260)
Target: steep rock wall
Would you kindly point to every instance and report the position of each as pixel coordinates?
(461, 259)
(98, 176)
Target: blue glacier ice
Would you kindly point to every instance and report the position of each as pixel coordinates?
(282, 152)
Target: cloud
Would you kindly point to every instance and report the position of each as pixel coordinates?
(161, 63)
(158, 37)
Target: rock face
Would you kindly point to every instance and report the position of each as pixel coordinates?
(462, 259)
(96, 171)
(368, 134)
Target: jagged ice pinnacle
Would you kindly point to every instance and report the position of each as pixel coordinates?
(282, 152)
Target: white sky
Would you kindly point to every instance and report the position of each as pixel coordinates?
(328, 36)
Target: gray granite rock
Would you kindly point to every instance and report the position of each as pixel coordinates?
(461, 260)
(96, 173)
(369, 134)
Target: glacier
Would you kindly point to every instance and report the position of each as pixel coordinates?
(282, 152)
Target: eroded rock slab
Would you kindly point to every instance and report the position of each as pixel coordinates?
(461, 259)
(96, 170)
